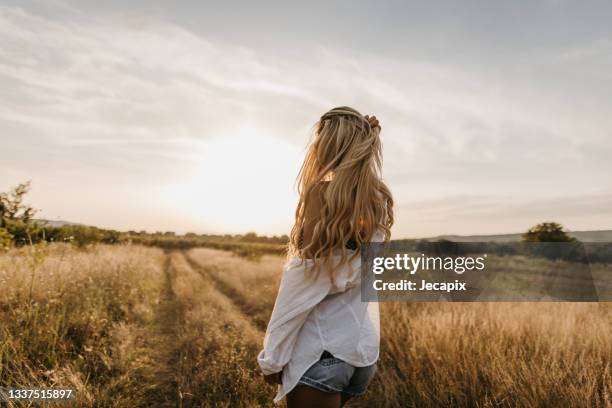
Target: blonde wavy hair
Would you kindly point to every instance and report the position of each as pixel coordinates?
(346, 154)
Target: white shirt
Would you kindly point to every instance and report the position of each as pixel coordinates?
(314, 315)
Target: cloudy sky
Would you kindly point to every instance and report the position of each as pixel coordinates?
(190, 116)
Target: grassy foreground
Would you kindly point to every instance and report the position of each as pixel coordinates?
(135, 326)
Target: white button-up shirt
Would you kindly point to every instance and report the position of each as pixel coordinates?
(314, 315)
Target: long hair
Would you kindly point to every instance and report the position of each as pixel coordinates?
(346, 153)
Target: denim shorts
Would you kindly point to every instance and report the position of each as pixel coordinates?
(330, 374)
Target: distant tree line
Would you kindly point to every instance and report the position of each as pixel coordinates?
(250, 237)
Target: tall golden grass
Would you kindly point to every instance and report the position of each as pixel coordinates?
(72, 318)
(466, 354)
(129, 326)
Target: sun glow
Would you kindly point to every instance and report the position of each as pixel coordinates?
(240, 183)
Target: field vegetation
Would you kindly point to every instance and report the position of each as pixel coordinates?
(130, 325)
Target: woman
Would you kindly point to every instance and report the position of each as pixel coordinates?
(322, 341)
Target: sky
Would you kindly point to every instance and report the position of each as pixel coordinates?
(194, 116)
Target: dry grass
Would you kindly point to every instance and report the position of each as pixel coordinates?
(480, 354)
(252, 285)
(130, 326)
(72, 318)
(494, 354)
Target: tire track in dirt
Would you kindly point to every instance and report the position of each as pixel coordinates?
(162, 343)
(233, 295)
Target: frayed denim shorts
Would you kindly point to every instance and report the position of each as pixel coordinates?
(330, 374)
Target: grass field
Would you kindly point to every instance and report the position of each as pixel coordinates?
(133, 326)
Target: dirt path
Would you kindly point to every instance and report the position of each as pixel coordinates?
(178, 335)
(162, 343)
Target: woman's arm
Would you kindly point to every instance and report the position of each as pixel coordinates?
(297, 296)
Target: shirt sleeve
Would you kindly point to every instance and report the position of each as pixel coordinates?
(297, 296)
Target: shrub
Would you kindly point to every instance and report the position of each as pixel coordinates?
(547, 232)
(6, 239)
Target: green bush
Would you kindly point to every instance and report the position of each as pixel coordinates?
(6, 239)
(23, 232)
(547, 232)
(81, 235)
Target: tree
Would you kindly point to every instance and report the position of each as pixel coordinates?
(550, 241)
(12, 207)
(547, 232)
(16, 217)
